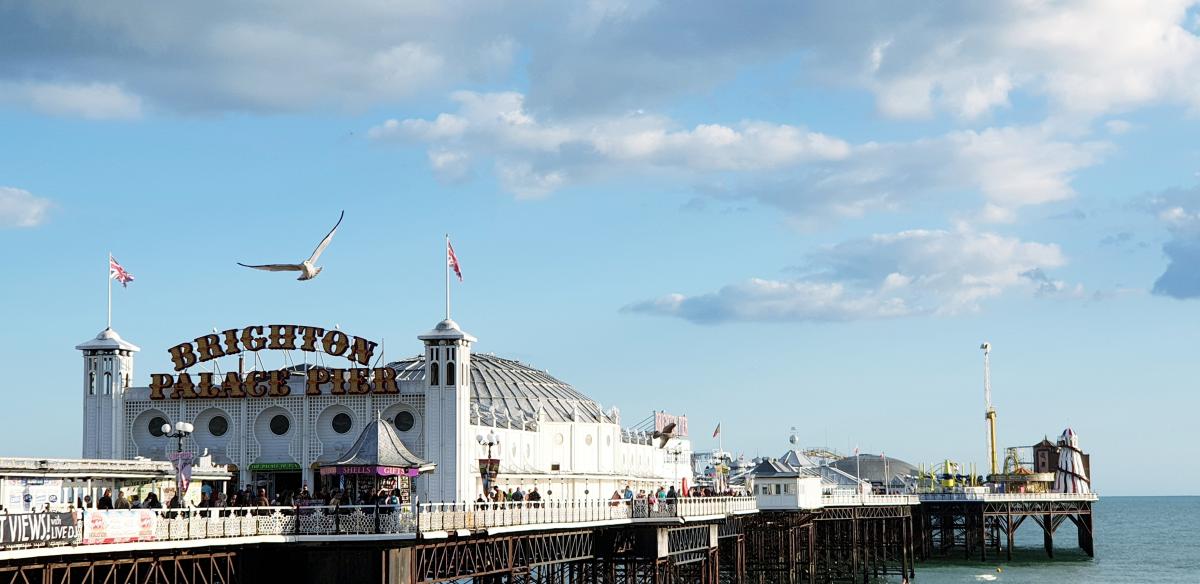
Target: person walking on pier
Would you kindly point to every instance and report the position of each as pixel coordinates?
(122, 502)
(105, 501)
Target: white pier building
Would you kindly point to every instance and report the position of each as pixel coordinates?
(442, 401)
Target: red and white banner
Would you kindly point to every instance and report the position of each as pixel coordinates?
(119, 526)
(661, 419)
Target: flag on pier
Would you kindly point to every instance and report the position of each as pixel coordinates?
(118, 273)
(717, 432)
(452, 260)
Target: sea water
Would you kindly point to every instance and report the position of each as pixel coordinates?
(1138, 539)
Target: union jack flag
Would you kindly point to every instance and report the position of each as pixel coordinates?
(453, 260)
(118, 273)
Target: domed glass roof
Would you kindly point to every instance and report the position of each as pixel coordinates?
(504, 391)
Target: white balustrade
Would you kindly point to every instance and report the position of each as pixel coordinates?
(385, 520)
(1002, 497)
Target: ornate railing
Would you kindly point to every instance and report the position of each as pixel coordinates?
(1000, 497)
(128, 526)
(849, 499)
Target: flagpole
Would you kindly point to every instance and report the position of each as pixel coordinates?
(446, 264)
(721, 439)
(108, 273)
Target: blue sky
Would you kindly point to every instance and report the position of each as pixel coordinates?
(758, 215)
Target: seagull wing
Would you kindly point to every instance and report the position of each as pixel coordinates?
(325, 242)
(669, 428)
(275, 267)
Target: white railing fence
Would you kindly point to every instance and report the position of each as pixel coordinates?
(126, 526)
(848, 499)
(998, 497)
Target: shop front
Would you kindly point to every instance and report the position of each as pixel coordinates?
(278, 478)
(379, 464)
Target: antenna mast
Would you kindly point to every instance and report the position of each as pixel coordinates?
(990, 413)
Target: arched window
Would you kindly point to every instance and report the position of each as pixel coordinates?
(92, 383)
(433, 374)
(108, 384)
(449, 372)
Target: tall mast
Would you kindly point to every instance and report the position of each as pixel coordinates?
(990, 413)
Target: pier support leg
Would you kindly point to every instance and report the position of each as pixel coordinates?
(1048, 534)
(1009, 529)
(1084, 525)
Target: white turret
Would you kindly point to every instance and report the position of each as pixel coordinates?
(448, 439)
(107, 373)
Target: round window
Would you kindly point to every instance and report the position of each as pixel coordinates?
(588, 440)
(280, 424)
(404, 421)
(341, 423)
(156, 424)
(218, 426)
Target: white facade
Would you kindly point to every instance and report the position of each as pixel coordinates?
(787, 492)
(549, 435)
(107, 374)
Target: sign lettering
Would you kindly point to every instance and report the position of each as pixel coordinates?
(37, 528)
(182, 385)
(280, 337)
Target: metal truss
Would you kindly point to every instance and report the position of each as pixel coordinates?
(193, 568)
(480, 557)
(688, 544)
(979, 527)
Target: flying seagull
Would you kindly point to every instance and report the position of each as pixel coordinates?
(306, 268)
(668, 432)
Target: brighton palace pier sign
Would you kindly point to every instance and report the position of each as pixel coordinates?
(283, 337)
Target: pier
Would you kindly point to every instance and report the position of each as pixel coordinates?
(704, 540)
(975, 525)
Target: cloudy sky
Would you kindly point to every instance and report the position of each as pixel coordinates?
(769, 215)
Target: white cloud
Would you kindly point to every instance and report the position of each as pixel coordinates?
(1179, 211)
(535, 157)
(261, 56)
(1118, 127)
(20, 208)
(883, 276)
(918, 58)
(94, 101)
(803, 172)
(1084, 57)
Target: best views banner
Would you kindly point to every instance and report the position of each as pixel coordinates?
(37, 528)
(119, 526)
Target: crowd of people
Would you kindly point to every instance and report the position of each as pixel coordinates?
(518, 494)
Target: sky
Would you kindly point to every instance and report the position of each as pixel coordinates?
(786, 218)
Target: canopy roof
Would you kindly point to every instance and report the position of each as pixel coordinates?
(380, 445)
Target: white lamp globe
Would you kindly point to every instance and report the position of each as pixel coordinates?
(166, 428)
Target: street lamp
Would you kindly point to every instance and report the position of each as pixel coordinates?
(180, 431)
(488, 467)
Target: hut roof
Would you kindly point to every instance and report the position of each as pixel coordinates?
(380, 445)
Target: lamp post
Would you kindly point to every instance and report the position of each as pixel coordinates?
(488, 467)
(180, 431)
